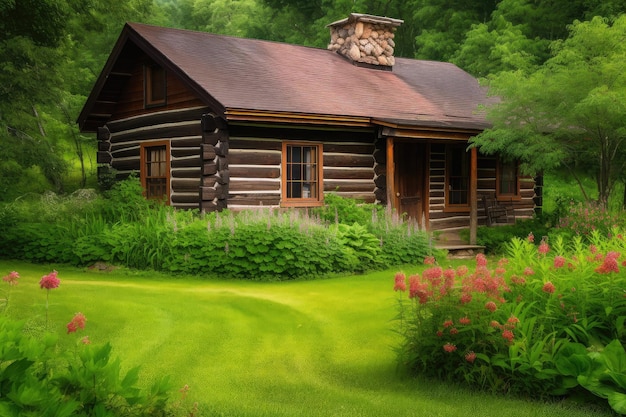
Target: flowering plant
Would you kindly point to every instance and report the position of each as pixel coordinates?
(501, 326)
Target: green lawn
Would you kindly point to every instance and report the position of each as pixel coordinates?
(304, 348)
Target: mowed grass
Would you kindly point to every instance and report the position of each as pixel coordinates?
(302, 348)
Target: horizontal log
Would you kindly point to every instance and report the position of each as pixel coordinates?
(207, 193)
(358, 148)
(132, 151)
(209, 168)
(131, 164)
(237, 184)
(104, 157)
(160, 131)
(177, 197)
(348, 173)
(104, 146)
(380, 156)
(186, 172)
(186, 162)
(168, 116)
(208, 181)
(186, 142)
(239, 171)
(240, 157)
(213, 138)
(208, 206)
(344, 186)
(103, 134)
(253, 199)
(380, 169)
(184, 152)
(185, 184)
(256, 144)
(208, 152)
(348, 160)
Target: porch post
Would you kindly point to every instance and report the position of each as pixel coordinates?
(473, 196)
(391, 174)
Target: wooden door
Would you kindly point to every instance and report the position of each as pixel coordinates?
(409, 177)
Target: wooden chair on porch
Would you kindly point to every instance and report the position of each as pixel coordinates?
(495, 212)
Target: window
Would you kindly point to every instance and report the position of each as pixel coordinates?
(302, 174)
(155, 86)
(457, 177)
(507, 180)
(155, 169)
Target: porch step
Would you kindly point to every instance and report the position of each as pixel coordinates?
(456, 247)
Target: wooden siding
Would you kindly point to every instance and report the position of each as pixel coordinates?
(441, 219)
(254, 162)
(119, 146)
(131, 100)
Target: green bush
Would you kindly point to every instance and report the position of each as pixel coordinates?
(38, 379)
(337, 209)
(505, 328)
(125, 229)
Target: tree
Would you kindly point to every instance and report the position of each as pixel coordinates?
(571, 112)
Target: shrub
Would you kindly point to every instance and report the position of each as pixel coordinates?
(337, 209)
(37, 378)
(584, 218)
(503, 328)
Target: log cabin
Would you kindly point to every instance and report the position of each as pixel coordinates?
(212, 122)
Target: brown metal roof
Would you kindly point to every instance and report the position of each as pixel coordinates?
(256, 75)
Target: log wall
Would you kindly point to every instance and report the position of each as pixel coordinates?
(254, 164)
(119, 143)
(442, 220)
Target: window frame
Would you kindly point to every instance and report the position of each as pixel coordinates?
(144, 152)
(149, 87)
(451, 207)
(286, 201)
(499, 172)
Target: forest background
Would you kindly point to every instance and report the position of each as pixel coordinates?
(52, 51)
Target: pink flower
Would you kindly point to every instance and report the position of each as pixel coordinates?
(11, 278)
(609, 264)
(491, 306)
(400, 284)
(559, 262)
(513, 320)
(448, 323)
(454, 331)
(439, 333)
(531, 237)
(465, 320)
(429, 260)
(78, 322)
(543, 247)
(466, 298)
(529, 271)
(50, 281)
(518, 280)
(449, 347)
(470, 357)
(85, 340)
(462, 270)
(508, 335)
(481, 260)
(494, 324)
(418, 289)
(548, 287)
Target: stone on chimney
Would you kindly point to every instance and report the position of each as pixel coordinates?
(364, 39)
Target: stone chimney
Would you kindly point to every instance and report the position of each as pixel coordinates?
(364, 39)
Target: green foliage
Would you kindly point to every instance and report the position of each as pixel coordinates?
(495, 239)
(599, 370)
(568, 113)
(38, 379)
(361, 248)
(337, 209)
(508, 328)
